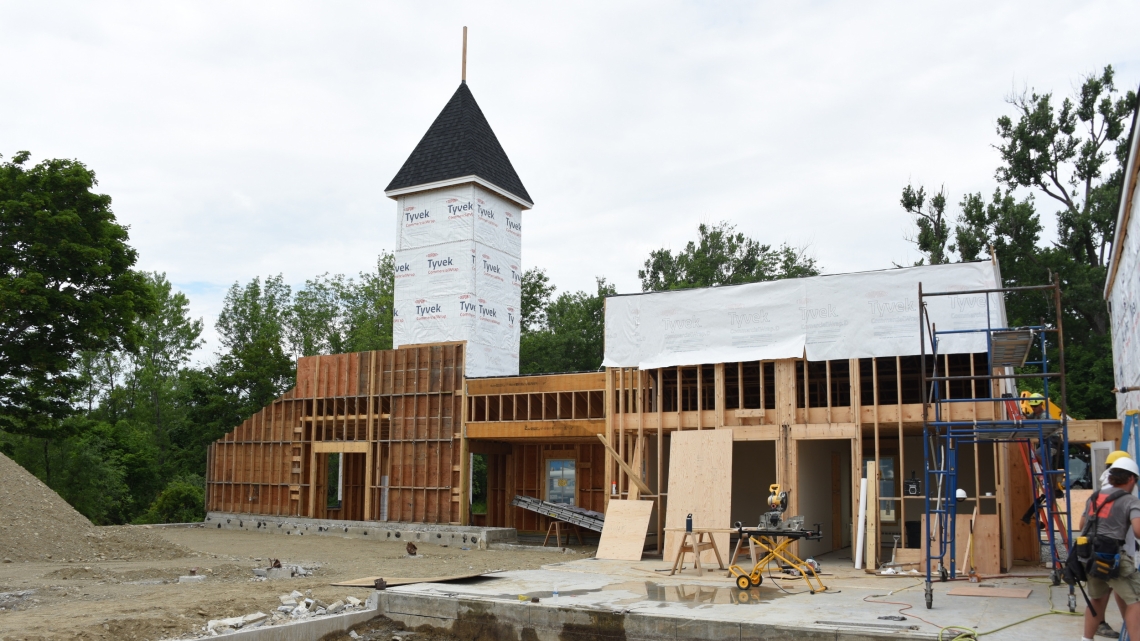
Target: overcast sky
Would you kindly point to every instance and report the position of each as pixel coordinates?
(247, 139)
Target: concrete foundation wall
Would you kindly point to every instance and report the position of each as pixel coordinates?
(484, 619)
(371, 530)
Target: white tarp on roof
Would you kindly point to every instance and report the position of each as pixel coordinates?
(860, 315)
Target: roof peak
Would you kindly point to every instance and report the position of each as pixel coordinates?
(460, 143)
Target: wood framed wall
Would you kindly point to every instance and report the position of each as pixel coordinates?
(518, 422)
(396, 415)
(873, 402)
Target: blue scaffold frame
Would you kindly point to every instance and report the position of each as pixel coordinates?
(1038, 438)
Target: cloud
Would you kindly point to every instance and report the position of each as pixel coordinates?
(247, 139)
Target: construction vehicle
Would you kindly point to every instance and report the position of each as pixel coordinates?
(767, 538)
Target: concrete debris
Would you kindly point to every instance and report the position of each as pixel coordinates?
(256, 617)
(260, 572)
(293, 606)
(231, 622)
(354, 635)
(194, 578)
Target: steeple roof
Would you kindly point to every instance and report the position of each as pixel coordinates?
(460, 143)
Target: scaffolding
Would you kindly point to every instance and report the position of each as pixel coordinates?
(1039, 435)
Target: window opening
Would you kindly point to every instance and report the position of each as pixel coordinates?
(560, 481)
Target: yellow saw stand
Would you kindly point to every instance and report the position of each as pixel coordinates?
(774, 550)
(766, 538)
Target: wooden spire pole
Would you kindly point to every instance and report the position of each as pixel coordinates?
(464, 54)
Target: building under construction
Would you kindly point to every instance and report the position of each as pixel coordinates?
(801, 383)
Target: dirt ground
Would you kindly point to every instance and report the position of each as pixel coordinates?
(140, 598)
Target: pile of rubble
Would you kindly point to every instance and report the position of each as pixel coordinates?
(294, 606)
(278, 571)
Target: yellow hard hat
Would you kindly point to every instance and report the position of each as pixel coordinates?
(1118, 454)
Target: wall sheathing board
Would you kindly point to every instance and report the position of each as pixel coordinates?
(395, 415)
(700, 483)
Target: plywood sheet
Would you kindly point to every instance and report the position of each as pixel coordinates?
(987, 548)
(700, 483)
(623, 535)
(1008, 593)
(369, 581)
(1080, 505)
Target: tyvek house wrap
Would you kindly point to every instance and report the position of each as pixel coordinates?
(456, 276)
(868, 314)
(1124, 303)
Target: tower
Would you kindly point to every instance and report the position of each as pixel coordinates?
(459, 240)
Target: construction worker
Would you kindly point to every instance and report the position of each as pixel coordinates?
(1104, 629)
(1108, 461)
(1033, 407)
(1117, 514)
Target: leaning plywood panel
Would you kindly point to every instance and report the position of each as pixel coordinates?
(700, 483)
(623, 535)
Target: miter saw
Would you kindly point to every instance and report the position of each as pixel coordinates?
(773, 520)
(766, 536)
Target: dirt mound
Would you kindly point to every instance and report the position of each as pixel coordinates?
(37, 525)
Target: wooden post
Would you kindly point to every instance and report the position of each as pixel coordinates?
(718, 394)
(608, 412)
(465, 464)
(661, 495)
(871, 554)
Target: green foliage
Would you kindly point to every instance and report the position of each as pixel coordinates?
(722, 256)
(252, 326)
(930, 218)
(1063, 154)
(572, 336)
(334, 315)
(479, 484)
(66, 285)
(183, 500)
(537, 291)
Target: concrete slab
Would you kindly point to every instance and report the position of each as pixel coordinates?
(617, 599)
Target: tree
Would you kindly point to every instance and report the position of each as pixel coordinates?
(66, 286)
(1062, 154)
(255, 367)
(723, 256)
(333, 315)
(368, 307)
(930, 219)
(182, 501)
(572, 339)
(167, 338)
(537, 291)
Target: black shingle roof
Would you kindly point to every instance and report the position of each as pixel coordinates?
(459, 143)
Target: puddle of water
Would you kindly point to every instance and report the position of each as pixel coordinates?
(662, 594)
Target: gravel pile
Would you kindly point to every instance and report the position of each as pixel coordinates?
(37, 525)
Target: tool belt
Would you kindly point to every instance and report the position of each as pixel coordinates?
(1095, 555)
